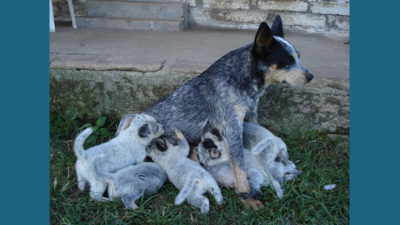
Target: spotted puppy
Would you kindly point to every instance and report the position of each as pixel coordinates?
(213, 155)
(131, 182)
(128, 148)
(271, 152)
(170, 152)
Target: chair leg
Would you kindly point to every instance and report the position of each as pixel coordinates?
(71, 11)
(52, 26)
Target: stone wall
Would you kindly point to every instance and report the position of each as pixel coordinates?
(327, 17)
(321, 106)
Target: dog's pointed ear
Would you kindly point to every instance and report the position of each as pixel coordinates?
(263, 39)
(125, 122)
(276, 27)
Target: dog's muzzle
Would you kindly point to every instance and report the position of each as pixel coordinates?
(309, 77)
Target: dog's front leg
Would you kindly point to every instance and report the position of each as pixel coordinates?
(235, 144)
(252, 116)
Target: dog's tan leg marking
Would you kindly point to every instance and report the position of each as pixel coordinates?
(179, 134)
(193, 155)
(253, 120)
(241, 184)
(240, 111)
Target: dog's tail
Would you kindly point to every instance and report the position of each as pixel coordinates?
(186, 190)
(79, 140)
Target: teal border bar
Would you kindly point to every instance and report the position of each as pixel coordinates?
(25, 112)
(374, 112)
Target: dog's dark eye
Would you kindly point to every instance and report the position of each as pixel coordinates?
(280, 64)
(209, 143)
(144, 131)
(280, 159)
(292, 60)
(161, 145)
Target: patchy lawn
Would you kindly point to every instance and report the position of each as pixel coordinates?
(322, 160)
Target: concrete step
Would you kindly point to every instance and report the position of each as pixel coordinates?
(136, 9)
(131, 24)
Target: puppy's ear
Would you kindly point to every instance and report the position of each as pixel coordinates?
(125, 122)
(263, 40)
(276, 27)
(144, 131)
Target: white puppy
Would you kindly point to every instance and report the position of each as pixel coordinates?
(170, 152)
(271, 152)
(128, 148)
(131, 182)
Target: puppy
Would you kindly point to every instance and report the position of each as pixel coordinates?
(170, 152)
(128, 148)
(213, 155)
(131, 182)
(262, 170)
(271, 152)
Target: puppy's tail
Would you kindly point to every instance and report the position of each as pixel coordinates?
(79, 140)
(186, 190)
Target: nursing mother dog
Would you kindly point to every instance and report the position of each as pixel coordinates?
(227, 93)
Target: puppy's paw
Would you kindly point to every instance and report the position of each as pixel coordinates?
(96, 196)
(252, 203)
(178, 200)
(205, 206)
(104, 199)
(81, 186)
(219, 199)
(279, 192)
(133, 206)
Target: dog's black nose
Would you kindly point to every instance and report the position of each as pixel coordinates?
(309, 77)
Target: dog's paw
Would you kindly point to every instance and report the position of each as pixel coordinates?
(252, 203)
(257, 195)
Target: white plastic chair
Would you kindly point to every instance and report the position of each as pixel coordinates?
(71, 11)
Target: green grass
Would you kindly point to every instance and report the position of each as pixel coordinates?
(322, 160)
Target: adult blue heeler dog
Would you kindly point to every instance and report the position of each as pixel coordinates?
(227, 93)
